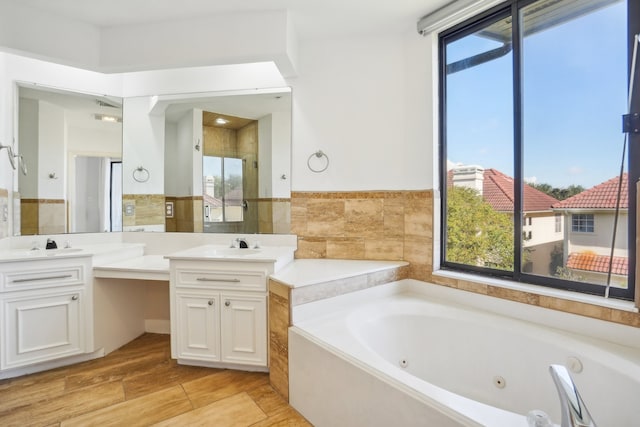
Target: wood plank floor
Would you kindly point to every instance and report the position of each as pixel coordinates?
(140, 385)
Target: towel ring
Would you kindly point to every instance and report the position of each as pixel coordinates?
(319, 154)
(141, 174)
(12, 157)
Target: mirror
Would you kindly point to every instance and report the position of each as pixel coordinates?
(72, 144)
(208, 162)
(148, 163)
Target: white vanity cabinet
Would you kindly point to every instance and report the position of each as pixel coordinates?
(46, 307)
(219, 314)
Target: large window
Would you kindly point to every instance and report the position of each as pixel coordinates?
(531, 105)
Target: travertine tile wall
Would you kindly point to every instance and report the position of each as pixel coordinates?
(373, 225)
(274, 215)
(148, 209)
(279, 322)
(43, 216)
(187, 214)
(28, 217)
(398, 225)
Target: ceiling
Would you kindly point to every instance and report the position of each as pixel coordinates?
(80, 109)
(312, 18)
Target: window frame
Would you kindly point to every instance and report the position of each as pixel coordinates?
(468, 27)
(224, 206)
(583, 223)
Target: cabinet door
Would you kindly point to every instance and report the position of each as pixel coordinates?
(244, 329)
(41, 328)
(198, 327)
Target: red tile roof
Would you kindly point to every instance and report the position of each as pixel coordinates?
(602, 196)
(598, 263)
(497, 190)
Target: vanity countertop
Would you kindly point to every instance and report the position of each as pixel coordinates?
(98, 251)
(277, 255)
(305, 272)
(145, 267)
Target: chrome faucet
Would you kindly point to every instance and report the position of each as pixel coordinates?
(242, 243)
(574, 411)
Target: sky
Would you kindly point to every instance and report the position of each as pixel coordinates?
(574, 92)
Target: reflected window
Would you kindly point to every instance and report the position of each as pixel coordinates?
(223, 189)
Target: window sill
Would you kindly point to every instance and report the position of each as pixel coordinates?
(615, 304)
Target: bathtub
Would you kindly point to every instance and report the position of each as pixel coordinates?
(409, 354)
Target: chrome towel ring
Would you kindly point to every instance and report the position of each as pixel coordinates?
(318, 154)
(141, 174)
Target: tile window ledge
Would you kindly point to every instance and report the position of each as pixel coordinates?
(610, 303)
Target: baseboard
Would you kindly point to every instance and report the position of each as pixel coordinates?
(157, 326)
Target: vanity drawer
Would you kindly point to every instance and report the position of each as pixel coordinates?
(220, 279)
(41, 277)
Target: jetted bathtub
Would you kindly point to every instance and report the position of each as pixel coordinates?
(412, 354)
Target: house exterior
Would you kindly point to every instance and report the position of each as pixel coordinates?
(588, 239)
(542, 227)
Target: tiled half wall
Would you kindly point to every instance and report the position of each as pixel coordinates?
(373, 225)
(398, 225)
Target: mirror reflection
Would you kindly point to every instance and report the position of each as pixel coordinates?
(240, 145)
(72, 143)
(100, 164)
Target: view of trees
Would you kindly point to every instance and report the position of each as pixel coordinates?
(558, 193)
(476, 233)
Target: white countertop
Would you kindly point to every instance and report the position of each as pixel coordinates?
(221, 252)
(104, 251)
(146, 267)
(278, 256)
(305, 272)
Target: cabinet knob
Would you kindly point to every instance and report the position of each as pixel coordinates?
(227, 303)
(210, 302)
(74, 298)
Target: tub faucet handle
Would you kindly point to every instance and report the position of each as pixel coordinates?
(574, 411)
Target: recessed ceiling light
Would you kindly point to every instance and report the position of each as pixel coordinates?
(107, 118)
(220, 121)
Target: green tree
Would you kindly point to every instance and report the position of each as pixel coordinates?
(557, 192)
(476, 233)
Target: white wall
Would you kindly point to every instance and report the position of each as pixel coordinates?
(28, 114)
(188, 174)
(281, 154)
(274, 155)
(185, 167)
(365, 102)
(97, 142)
(200, 41)
(600, 240)
(171, 151)
(213, 40)
(48, 36)
(52, 149)
(142, 146)
(265, 158)
(6, 125)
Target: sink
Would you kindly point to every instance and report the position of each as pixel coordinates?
(54, 252)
